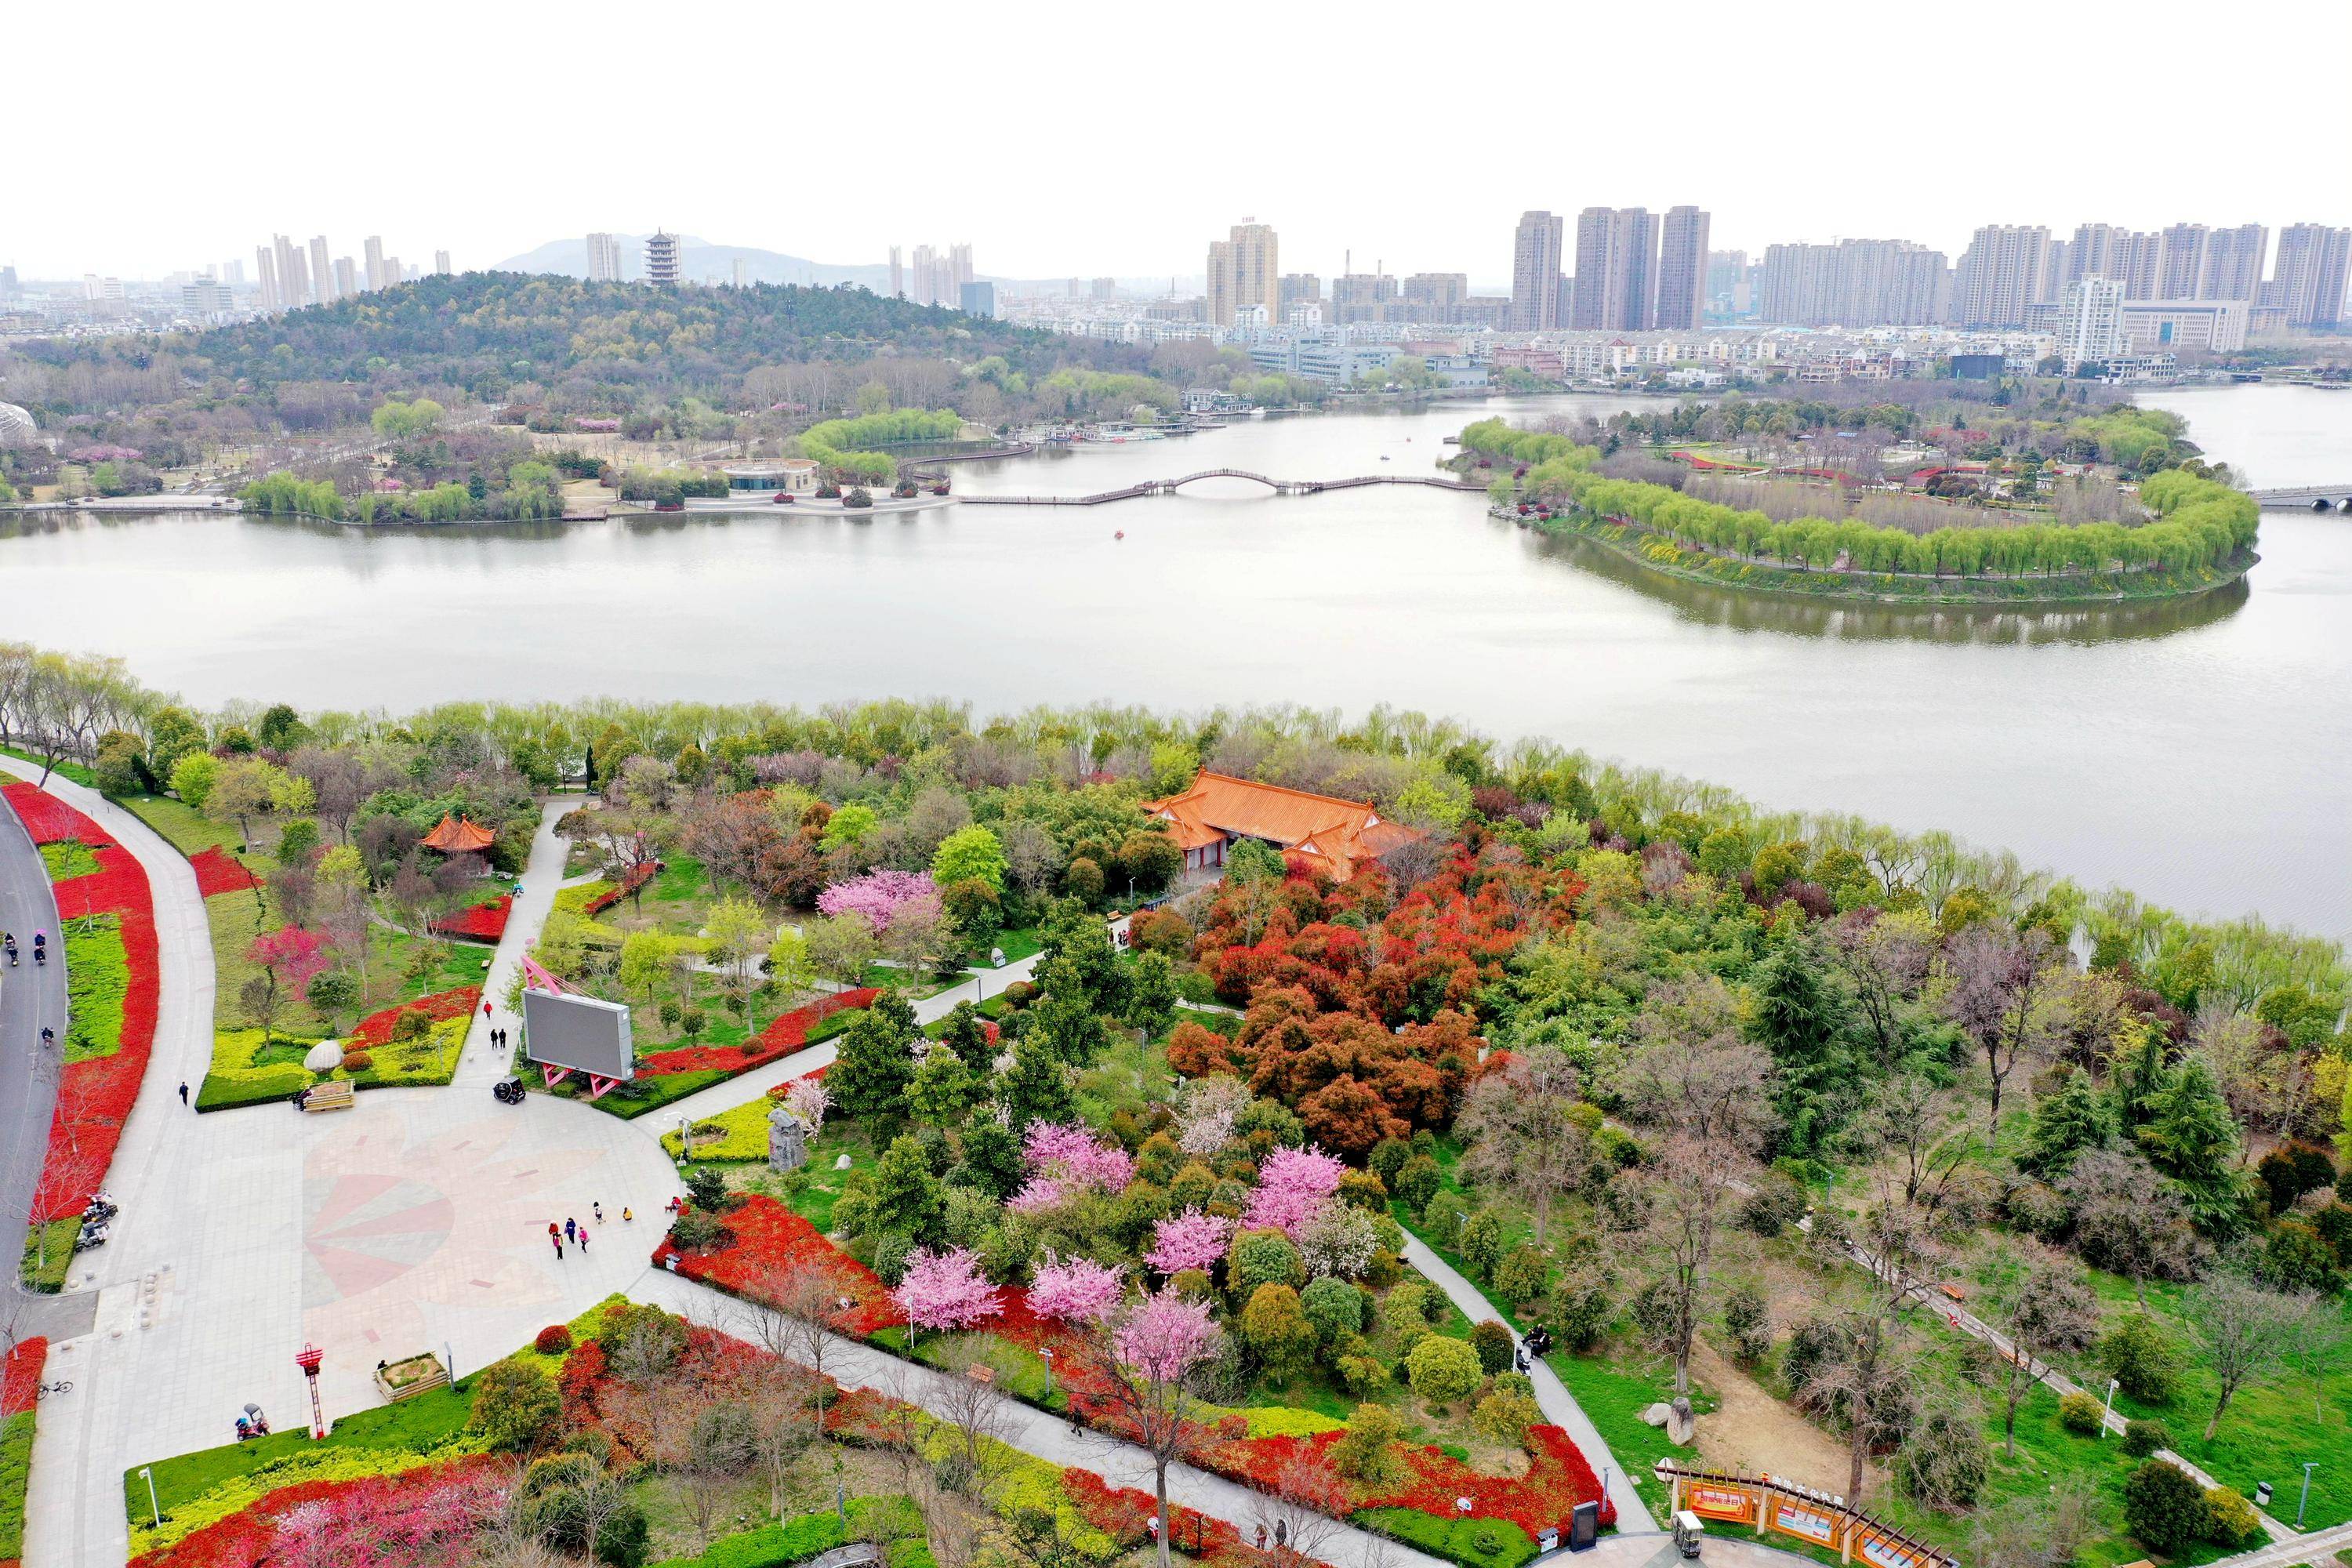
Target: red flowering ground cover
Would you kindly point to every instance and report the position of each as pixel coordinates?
(248, 1538)
(769, 1236)
(627, 885)
(375, 1030)
(21, 1374)
(217, 872)
(485, 921)
(1557, 1478)
(95, 1097)
(788, 1034)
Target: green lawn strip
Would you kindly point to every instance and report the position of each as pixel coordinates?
(1476, 1543)
(55, 1240)
(1017, 942)
(69, 858)
(98, 978)
(186, 828)
(16, 1475)
(74, 771)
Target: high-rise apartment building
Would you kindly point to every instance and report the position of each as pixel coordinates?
(233, 274)
(1538, 259)
(1616, 269)
(377, 278)
(347, 281)
(2089, 322)
(322, 269)
(1105, 288)
(441, 264)
(1435, 295)
(265, 271)
(2002, 274)
(293, 281)
(741, 272)
(976, 299)
(1244, 269)
(604, 258)
(1853, 283)
(662, 259)
(1361, 297)
(898, 275)
(1297, 289)
(2313, 263)
(2104, 250)
(2180, 262)
(2234, 263)
(1682, 268)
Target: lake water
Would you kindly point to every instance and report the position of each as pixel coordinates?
(2197, 752)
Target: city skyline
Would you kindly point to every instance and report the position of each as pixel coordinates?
(1375, 200)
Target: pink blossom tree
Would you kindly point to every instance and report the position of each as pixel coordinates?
(1076, 1156)
(878, 896)
(289, 958)
(1078, 1291)
(808, 1099)
(1293, 1185)
(1140, 1370)
(945, 1290)
(1189, 1240)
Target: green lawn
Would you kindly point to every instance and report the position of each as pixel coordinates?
(69, 858)
(49, 1277)
(74, 771)
(98, 980)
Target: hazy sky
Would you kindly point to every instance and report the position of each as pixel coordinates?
(1064, 139)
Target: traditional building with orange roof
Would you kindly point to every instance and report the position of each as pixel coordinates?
(1329, 835)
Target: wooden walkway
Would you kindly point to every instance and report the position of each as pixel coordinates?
(1279, 487)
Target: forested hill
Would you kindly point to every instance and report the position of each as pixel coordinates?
(485, 332)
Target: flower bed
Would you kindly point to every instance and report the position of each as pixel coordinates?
(95, 1095)
(217, 872)
(485, 921)
(19, 1388)
(422, 1505)
(249, 1071)
(769, 1236)
(790, 1031)
(613, 893)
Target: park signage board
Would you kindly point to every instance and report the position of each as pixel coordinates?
(579, 1034)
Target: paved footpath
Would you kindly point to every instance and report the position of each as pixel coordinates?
(31, 996)
(1559, 1405)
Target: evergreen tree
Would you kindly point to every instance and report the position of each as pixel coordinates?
(877, 1061)
(2190, 1136)
(992, 1157)
(1805, 1020)
(1066, 1024)
(906, 1196)
(2140, 1073)
(967, 1035)
(2064, 1124)
(943, 1088)
(1037, 1088)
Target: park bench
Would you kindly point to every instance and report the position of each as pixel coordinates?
(334, 1095)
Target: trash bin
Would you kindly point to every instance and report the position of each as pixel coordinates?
(2262, 1494)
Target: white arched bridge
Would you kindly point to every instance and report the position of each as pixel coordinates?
(1279, 487)
(2307, 498)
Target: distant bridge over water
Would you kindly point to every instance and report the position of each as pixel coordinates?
(2307, 498)
(1279, 487)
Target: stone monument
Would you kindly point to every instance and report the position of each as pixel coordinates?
(787, 1140)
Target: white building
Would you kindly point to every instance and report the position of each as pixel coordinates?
(2089, 322)
(604, 258)
(2160, 326)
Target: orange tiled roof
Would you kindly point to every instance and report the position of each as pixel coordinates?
(459, 836)
(1336, 833)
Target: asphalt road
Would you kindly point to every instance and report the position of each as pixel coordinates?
(30, 997)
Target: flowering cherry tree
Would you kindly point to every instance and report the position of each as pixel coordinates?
(1189, 1240)
(1063, 1161)
(945, 1290)
(1140, 1370)
(1293, 1185)
(878, 896)
(808, 1099)
(1078, 1291)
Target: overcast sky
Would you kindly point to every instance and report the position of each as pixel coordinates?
(1064, 139)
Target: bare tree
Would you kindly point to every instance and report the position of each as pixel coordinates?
(971, 1400)
(1524, 1137)
(1693, 1067)
(1925, 1126)
(1887, 958)
(1300, 1509)
(1998, 976)
(2127, 1220)
(1875, 1359)
(2248, 1329)
(806, 1316)
(1690, 1186)
(2053, 1311)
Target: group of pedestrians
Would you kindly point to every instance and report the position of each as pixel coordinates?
(498, 1032)
(576, 1234)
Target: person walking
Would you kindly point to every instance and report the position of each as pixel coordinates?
(627, 1215)
(598, 1210)
(584, 1241)
(184, 1092)
(559, 1248)
(570, 1230)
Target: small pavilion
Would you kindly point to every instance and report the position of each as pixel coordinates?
(460, 835)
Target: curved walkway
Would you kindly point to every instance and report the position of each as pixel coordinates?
(31, 996)
(1559, 1405)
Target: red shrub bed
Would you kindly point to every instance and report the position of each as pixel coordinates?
(788, 1034)
(485, 921)
(413, 1517)
(375, 1031)
(95, 1097)
(768, 1236)
(1557, 1478)
(627, 885)
(1124, 1514)
(20, 1375)
(218, 873)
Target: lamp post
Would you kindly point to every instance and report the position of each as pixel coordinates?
(153, 1506)
(2309, 1466)
(449, 1363)
(2109, 1413)
(307, 1357)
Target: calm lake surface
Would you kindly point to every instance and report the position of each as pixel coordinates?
(2200, 754)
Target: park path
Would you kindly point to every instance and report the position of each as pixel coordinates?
(32, 997)
(1559, 1405)
(481, 1065)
